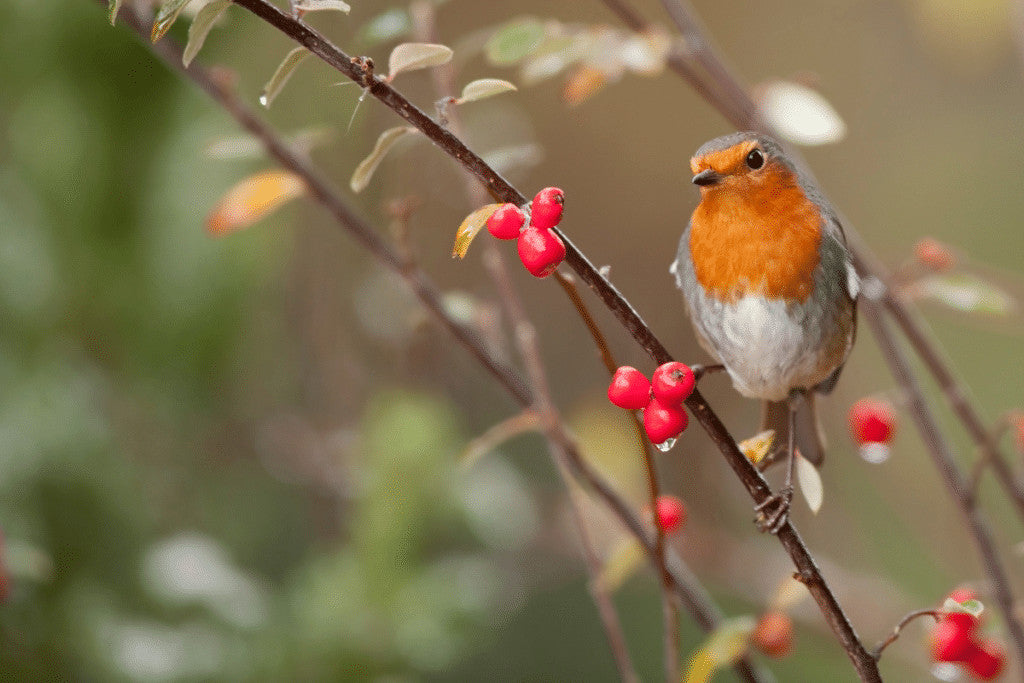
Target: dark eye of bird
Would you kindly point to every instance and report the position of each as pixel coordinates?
(755, 159)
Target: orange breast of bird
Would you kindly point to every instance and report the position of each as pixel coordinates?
(756, 238)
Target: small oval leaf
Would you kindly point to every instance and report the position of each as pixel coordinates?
(756, 447)
(471, 225)
(166, 17)
(582, 84)
(200, 28)
(483, 88)
(967, 293)
(412, 56)
(800, 114)
(284, 71)
(387, 26)
(723, 646)
(322, 5)
(113, 7)
(810, 483)
(514, 41)
(364, 171)
(251, 199)
(623, 562)
(972, 607)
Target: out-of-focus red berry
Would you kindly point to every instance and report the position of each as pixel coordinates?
(664, 421)
(670, 513)
(987, 660)
(951, 642)
(672, 382)
(546, 210)
(540, 250)
(630, 389)
(506, 222)
(934, 255)
(773, 634)
(872, 421)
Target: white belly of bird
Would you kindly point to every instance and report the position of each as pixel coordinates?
(764, 345)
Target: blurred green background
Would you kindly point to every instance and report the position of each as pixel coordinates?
(237, 458)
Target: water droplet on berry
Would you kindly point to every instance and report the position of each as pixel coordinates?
(945, 671)
(875, 453)
(666, 445)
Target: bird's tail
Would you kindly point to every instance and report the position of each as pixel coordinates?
(809, 437)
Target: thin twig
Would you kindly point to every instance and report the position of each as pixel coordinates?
(670, 615)
(869, 265)
(690, 592)
(877, 652)
(755, 484)
(424, 16)
(952, 477)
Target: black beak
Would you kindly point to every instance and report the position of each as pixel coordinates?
(707, 177)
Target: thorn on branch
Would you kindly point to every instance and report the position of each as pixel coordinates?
(365, 65)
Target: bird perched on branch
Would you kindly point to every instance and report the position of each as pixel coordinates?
(769, 287)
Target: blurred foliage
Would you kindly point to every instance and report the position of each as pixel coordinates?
(237, 459)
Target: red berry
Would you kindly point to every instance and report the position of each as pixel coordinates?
(670, 513)
(773, 634)
(934, 255)
(663, 422)
(629, 389)
(987, 660)
(546, 211)
(506, 222)
(672, 382)
(872, 421)
(540, 250)
(951, 642)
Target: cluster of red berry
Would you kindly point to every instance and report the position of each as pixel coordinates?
(955, 640)
(661, 398)
(540, 249)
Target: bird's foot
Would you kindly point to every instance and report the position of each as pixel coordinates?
(773, 512)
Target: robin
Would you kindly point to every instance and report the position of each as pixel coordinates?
(770, 288)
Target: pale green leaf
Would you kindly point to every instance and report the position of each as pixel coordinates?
(412, 56)
(321, 5)
(972, 607)
(284, 71)
(967, 293)
(514, 41)
(810, 483)
(250, 147)
(364, 171)
(800, 114)
(483, 88)
(723, 646)
(166, 17)
(200, 28)
(506, 159)
(625, 560)
(470, 227)
(387, 26)
(113, 7)
(787, 594)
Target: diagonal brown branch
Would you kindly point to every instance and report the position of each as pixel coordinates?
(743, 115)
(690, 592)
(360, 71)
